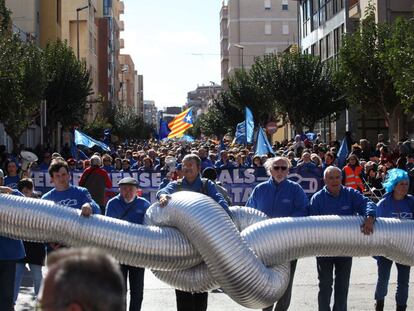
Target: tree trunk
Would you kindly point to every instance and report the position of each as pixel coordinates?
(298, 128)
(395, 127)
(15, 137)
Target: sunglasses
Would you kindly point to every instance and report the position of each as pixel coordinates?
(276, 168)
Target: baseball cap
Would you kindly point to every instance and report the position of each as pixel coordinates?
(128, 181)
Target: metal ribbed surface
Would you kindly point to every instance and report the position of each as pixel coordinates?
(232, 260)
(283, 239)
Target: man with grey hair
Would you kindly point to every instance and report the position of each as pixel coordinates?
(96, 179)
(335, 199)
(280, 197)
(81, 280)
(192, 181)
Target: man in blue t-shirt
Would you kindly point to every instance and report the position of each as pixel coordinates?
(11, 251)
(129, 207)
(65, 194)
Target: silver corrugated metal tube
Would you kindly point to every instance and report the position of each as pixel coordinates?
(233, 260)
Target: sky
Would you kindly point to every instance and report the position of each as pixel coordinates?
(174, 44)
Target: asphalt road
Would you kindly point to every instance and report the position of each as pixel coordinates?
(159, 296)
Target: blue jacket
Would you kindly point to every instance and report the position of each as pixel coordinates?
(116, 208)
(221, 164)
(196, 186)
(285, 199)
(349, 202)
(73, 197)
(11, 249)
(390, 208)
(206, 162)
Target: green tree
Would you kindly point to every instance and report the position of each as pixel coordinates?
(363, 71)
(4, 17)
(398, 58)
(215, 122)
(127, 124)
(69, 85)
(301, 86)
(22, 83)
(245, 90)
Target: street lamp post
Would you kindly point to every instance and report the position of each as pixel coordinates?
(123, 70)
(77, 26)
(241, 49)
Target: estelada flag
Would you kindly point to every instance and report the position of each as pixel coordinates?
(181, 123)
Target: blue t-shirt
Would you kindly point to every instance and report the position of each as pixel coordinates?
(11, 181)
(73, 197)
(11, 249)
(348, 202)
(390, 208)
(117, 208)
(284, 199)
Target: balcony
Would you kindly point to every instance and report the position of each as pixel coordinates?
(121, 7)
(121, 43)
(354, 9)
(121, 26)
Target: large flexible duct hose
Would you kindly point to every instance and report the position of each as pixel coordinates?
(230, 256)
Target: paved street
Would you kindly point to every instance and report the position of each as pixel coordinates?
(159, 296)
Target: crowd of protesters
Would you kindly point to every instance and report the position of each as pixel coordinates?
(369, 161)
(367, 169)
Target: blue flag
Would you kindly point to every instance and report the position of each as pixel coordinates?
(164, 130)
(221, 147)
(342, 153)
(311, 136)
(186, 138)
(89, 142)
(241, 133)
(249, 126)
(77, 153)
(263, 146)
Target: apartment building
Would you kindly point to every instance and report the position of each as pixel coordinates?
(150, 113)
(128, 93)
(25, 23)
(322, 24)
(24, 18)
(253, 28)
(109, 45)
(202, 97)
(140, 95)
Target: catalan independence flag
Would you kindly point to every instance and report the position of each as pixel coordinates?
(181, 123)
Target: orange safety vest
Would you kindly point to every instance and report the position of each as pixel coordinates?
(353, 178)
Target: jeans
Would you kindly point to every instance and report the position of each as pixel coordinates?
(136, 285)
(7, 274)
(325, 267)
(403, 278)
(187, 301)
(35, 271)
(284, 301)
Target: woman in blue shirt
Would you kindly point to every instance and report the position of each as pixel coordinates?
(396, 203)
(12, 176)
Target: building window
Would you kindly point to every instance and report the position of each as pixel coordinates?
(328, 46)
(313, 49)
(285, 29)
(267, 4)
(285, 5)
(268, 29)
